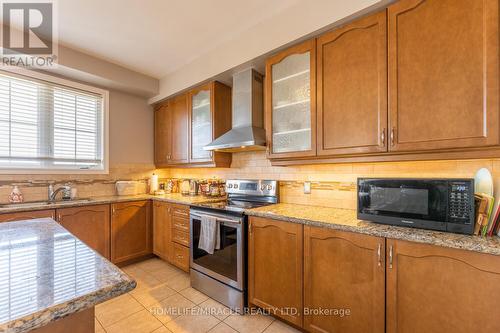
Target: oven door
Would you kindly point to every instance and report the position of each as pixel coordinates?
(227, 263)
(413, 202)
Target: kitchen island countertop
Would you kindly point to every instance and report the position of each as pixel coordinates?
(47, 274)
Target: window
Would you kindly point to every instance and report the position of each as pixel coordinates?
(51, 126)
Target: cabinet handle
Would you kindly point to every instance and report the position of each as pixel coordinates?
(379, 254)
(382, 137)
(250, 229)
(59, 218)
(390, 257)
(392, 136)
(113, 210)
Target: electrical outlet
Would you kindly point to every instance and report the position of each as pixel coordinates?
(307, 187)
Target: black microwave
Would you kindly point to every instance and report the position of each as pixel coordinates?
(436, 204)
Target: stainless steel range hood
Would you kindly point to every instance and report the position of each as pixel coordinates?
(247, 132)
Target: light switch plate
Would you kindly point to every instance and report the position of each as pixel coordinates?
(307, 187)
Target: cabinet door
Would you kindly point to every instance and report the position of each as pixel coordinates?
(352, 88)
(36, 214)
(162, 234)
(89, 224)
(201, 123)
(344, 271)
(179, 130)
(443, 74)
(163, 123)
(291, 102)
(130, 230)
(435, 289)
(275, 251)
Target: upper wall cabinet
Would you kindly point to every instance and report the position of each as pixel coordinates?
(188, 122)
(352, 88)
(291, 102)
(179, 130)
(162, 135)
(210, 117)
(172, 132)
(418, 81)
(443, 74)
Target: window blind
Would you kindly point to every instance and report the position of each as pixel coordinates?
(48, 126)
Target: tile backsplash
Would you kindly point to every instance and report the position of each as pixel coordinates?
(333, 185)
(34, 187)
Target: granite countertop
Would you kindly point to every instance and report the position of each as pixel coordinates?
(46, 274)
(172, 198)
(346, 220)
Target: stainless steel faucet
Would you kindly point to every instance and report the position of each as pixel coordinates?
(66, 190)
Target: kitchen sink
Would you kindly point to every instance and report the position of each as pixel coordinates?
(44, 203)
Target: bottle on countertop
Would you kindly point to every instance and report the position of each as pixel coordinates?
(16, 196)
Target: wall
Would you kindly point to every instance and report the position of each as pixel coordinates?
(298, 21)
(333, 185)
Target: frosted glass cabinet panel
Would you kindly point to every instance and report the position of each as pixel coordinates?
(291, 112)
(201, 125)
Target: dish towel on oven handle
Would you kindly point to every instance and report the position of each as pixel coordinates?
(209, 234)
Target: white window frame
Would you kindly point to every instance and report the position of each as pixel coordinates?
(75, 85)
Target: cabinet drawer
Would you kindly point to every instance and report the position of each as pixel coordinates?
(181, 224)
(181, 257)
(37, 214)
(180, 237)
(180, 211)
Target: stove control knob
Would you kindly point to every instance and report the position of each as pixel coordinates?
(235, 186)
(262, 187)
(269, 187)
(230, 185)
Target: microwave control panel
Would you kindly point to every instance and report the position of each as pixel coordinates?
(461, 202)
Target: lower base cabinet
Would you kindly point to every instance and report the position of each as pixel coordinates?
(131, 231)
(162, 233)
(440, 290)
(275, 268)
(90, 224)
(344, 281)
(35, 214)
(180, 236)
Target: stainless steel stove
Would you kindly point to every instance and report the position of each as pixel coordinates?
(222, 275)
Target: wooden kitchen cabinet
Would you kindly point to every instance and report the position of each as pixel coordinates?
(290, 102)
(352, 88)
(180, 236)
(443, 74)
(179, 130)
(344, 270)
(162, 230)
(131, 230)
(209, 117)
(35, 214)
(275, 251)
(162, 135)
(436, 289)
(90, 224)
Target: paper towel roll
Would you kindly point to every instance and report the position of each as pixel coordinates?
(153, 184)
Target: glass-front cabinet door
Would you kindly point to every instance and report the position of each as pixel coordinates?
(291, 106)
(201, 124)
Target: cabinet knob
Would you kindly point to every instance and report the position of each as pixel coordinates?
(393, 130)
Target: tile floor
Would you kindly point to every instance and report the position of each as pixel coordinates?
(164, 302)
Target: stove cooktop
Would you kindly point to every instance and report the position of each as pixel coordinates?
(233, 205)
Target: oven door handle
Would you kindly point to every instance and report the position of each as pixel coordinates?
(219, 219)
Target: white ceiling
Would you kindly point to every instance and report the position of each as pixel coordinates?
(157, 37)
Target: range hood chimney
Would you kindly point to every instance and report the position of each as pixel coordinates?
(247, 131)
